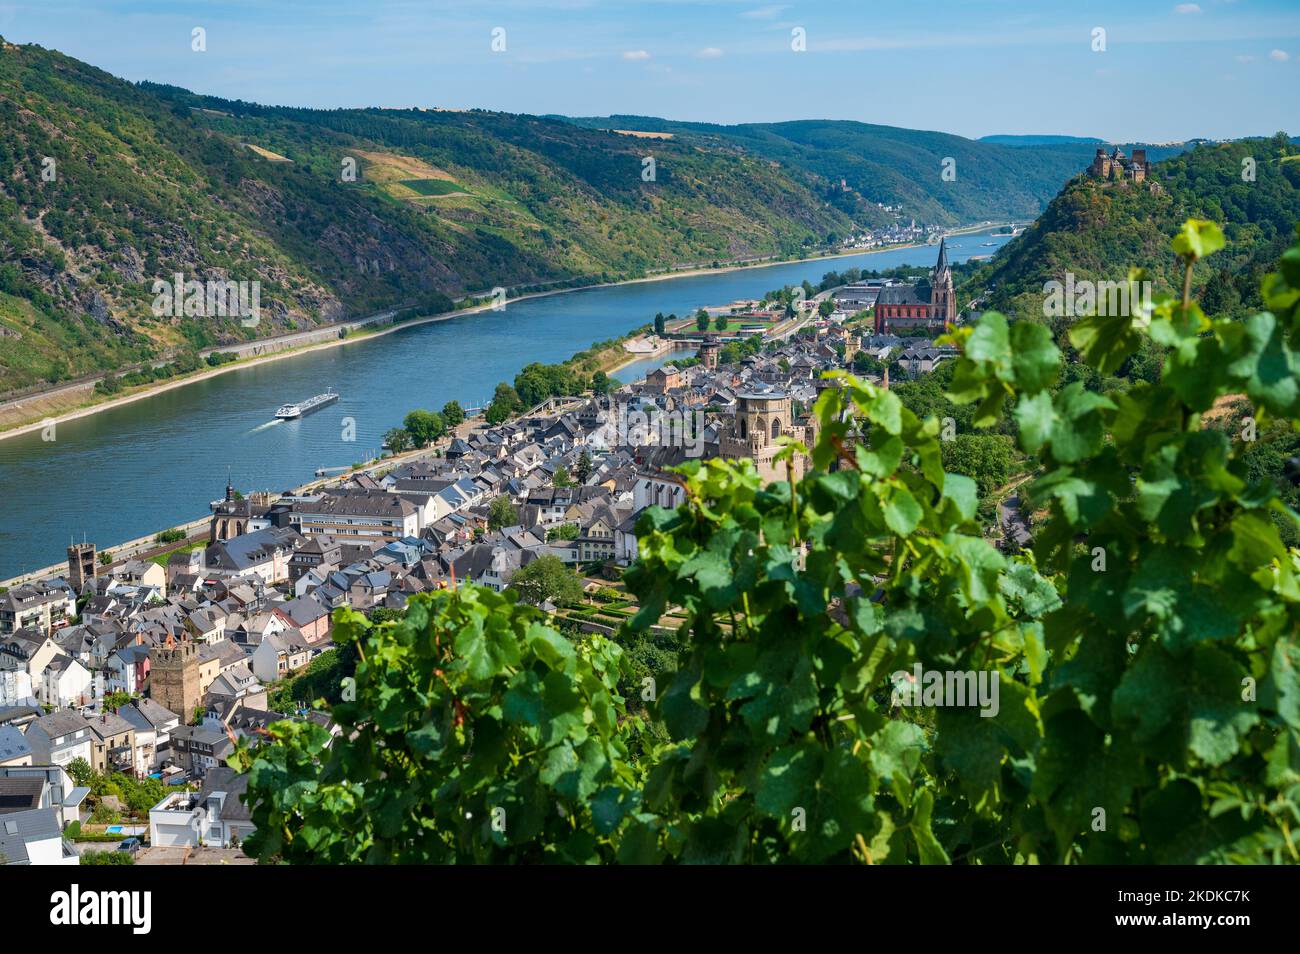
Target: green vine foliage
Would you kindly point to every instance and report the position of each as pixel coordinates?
(1145, 651)
(477, 734)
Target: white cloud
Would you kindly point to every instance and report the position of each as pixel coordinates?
(764, 13)
(710, 51)
(1280, 55)
(1188, 8)
(636, 55)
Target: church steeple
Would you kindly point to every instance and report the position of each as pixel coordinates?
(943, 302)
(941, 266)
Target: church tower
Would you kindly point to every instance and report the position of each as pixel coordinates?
(943, 303)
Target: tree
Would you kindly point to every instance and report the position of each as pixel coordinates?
(702, 320)
(425, 427)
(864, 362)
(502, 513)
(397, 439)
(825, 307)
(81, 771)
(505, 402)
(113, 701)
(602, 383)
(537, 382)
(564, 531)
(583, 468)
(659, 324)
(985, 458)
(720, 323)
(453, 415)
(561, 477)
(547, 580)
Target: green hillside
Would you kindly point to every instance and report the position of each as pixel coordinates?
(1097, 230)
(901, 167)
(147, 181)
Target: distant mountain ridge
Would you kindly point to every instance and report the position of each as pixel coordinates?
(899, 167)
(1030, 140)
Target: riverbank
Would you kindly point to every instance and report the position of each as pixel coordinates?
(195, 531)
(42, 413)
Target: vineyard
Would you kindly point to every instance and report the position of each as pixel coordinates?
(1142, 658)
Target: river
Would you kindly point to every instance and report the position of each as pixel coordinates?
(130, 470)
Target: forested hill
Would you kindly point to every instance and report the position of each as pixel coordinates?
(1098, 230)
(109, 186)
(902, 167)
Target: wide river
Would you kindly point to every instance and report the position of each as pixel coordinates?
(134, 469)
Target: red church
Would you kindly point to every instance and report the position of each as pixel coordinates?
(899, 310)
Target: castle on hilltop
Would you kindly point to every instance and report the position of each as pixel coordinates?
(1118, 167)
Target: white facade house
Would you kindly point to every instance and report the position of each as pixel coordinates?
(173, 821)
(60, 737)
(16, 688)
(124, 668)
(33, 837)
(48, 786)
(153, 725)
(215, 816)
(278, 655)
(66, 682)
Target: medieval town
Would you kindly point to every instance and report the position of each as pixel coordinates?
(153, 666)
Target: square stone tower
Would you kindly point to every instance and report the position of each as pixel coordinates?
(174, 677)
(81, 565)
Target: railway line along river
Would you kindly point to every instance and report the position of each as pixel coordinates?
(131, 470)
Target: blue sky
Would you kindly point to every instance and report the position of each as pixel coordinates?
(1216, 68)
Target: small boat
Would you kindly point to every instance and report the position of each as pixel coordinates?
(988, 244)
(289, 412)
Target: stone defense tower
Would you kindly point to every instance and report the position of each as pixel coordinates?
(81, 565)
(708, 353)
(1138, 168)
(174, 677)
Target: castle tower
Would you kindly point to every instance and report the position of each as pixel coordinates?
(708, 353)
(761, 417)
(174, 677)
(1101, 164)
(1138, 168)
(943, 301)
(81, 565)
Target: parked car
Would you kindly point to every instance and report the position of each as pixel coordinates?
(130, 845)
